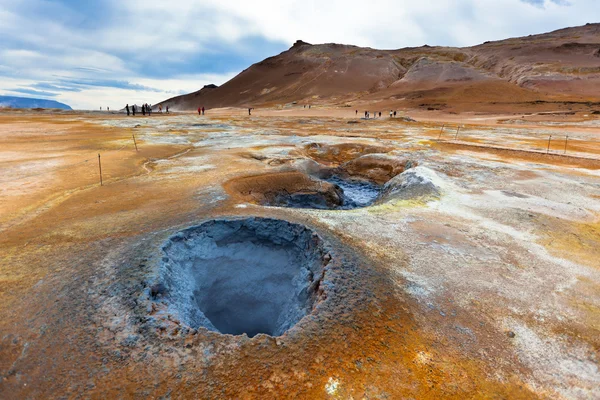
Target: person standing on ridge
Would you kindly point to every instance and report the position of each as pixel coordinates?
(167, 109)
(127, 109)
(144, 109)
(199, 111)
(133, 109)
(379, 114)
(202, 110)
(356, 113)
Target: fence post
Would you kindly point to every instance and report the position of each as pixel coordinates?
(100, 167)
(441, 131)
(134, 143)
(456, 136)
(549, 139)
(566, 141)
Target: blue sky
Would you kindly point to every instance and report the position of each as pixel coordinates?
(108, 52)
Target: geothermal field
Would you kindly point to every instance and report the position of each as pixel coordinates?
(299, 253)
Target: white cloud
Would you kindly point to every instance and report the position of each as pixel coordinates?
(94, 97)
(137, 40)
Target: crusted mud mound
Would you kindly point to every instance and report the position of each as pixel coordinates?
(415, 184)
(248, 276)
(286, 189)
(378, 168)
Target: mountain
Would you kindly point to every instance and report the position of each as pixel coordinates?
(25, 102)
(557, 68)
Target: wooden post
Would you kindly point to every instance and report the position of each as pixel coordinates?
(457, 129)
(566, 141)
(549, 139)
(134, 143)
(441, 131)
(100, 167)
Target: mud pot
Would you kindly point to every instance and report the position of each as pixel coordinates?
(238, 277)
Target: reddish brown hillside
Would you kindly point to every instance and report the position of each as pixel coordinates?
(555, 70)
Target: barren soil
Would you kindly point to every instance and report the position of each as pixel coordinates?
(489, 290)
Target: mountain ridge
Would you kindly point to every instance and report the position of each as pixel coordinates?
(27, 102)
(563, 65)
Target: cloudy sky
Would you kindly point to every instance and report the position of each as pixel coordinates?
(90, 54)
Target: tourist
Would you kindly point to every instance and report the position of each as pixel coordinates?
(133, 109)
(356, 113)
(127, 108)
(199, 111)
(167, 109)
(202, 110)
(144, 109)
(379, 114)
(249, 111)
(394, 114)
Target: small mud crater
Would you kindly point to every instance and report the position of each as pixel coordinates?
(251, 276)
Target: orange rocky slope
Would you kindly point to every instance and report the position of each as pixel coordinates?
(555, 70)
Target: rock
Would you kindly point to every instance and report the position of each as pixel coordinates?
(511, 334)
(158, 290)
(300, 43)
(414, 184)
(312, 168)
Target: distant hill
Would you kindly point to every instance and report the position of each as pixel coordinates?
(534, 71)
(25, 102)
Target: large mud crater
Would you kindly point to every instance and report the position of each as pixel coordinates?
(296, 189)
(249, 276)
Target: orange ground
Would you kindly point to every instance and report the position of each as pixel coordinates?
(478, 295)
